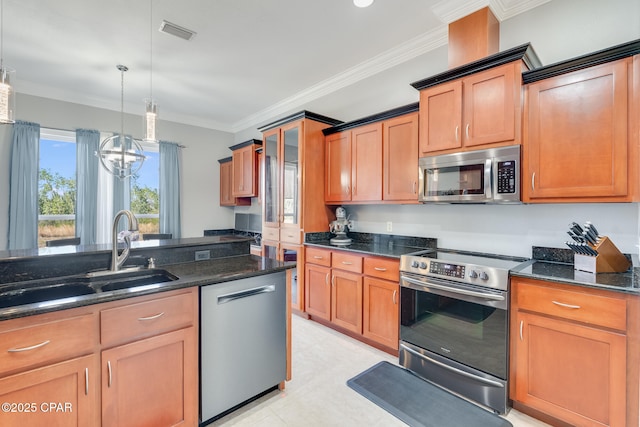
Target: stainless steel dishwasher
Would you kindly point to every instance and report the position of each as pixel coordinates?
(242, 341)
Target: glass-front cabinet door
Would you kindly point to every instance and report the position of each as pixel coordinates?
(290, 209)
(271, 174)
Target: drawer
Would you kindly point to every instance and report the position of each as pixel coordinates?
(49, 342)
(317, 256)
(346, 261)
(135, 321)
(291, 235)
(269, 233)
(383, 268)
(609, 312)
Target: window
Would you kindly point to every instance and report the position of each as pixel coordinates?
(145, 192)
(56, 185)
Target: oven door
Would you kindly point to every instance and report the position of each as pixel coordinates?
(465, 323)
(463, 181)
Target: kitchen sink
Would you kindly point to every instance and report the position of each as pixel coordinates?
(87, 284)
(108, 281)
(43, 293)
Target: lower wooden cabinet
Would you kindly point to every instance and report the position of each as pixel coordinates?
(151, 382)
(61, 394)
(129, 362)
(380, 311)
(574, 353)
(357, 294)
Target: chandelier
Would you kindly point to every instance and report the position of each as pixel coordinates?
(151, 108)
(121, 155)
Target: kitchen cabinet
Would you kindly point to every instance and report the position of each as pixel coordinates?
(381, 301)
(226, 184)
(245, 169)
(369, 163)
(149, 360)
(472, 112)
(346, 291)
(293, 176)
(577, 145)
(355, 294)
(573, 352)
(49, 358)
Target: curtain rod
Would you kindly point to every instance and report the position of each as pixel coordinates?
(73, 130)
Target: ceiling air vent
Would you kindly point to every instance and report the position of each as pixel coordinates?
(176, 30)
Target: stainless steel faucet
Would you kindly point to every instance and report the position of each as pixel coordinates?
(118, 260)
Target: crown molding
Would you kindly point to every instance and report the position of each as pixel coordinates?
(449, 11)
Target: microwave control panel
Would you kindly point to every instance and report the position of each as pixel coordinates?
(506, 177)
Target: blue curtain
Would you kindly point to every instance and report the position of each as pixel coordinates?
(23, 199)
(170, 189)
(87, 144)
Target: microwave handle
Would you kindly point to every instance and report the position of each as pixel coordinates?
(488, 179)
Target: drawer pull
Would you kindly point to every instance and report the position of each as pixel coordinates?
(33, 347)
(109, 369)
(333, 281)
(395, 292)
(561, 304)
(347, 263)
(155, 316)
(379, 268)
(86, 381)
(318, 257)
(326, 279)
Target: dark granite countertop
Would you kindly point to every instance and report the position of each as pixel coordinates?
(196, 273)
(391, 246)
(552, 264)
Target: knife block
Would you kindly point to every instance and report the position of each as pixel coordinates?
(609, 259)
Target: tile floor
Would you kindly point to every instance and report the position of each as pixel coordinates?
(317, 395)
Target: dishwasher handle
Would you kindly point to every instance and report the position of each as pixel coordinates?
(223, 299)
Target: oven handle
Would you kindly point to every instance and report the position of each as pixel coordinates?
(454, 290)
(455, 370)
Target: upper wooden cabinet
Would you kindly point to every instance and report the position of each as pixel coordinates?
(373, 162)
(245, 169)
(226, 183)
(579, 143)
(478, 110)
(293, 177)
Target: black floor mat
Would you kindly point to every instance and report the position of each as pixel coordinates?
(417, 402)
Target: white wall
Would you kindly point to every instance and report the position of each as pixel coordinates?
(200, 189)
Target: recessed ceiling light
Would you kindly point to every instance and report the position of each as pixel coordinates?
(363, 3)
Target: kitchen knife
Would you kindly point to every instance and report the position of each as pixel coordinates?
(575, 227)
(593, 227)
(590, 230)
(593, 236)
(588, 237)
(575, 238)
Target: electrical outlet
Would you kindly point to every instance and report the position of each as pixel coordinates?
(203, 255)
(389, 226)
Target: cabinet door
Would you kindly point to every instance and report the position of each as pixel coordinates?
(226, 199)
(244, 172)
(380, 311)
(295, 277)
(441, 117)
(271, 179)
(569, 371)
(317, 291)
(346, 300)
(63, 394)
(489, 106)
(400, 158)
(153, 382)
(366, 163)
(576, 137)
(338, 167)
(291, 135)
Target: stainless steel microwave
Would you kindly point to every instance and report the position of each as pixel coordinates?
(481, 176)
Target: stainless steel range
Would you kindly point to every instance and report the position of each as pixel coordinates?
(454, 322)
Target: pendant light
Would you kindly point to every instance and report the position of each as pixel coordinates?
(151, 108)
(121, 155)
(7, 94)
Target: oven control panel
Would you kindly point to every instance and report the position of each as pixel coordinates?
(446, 269)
